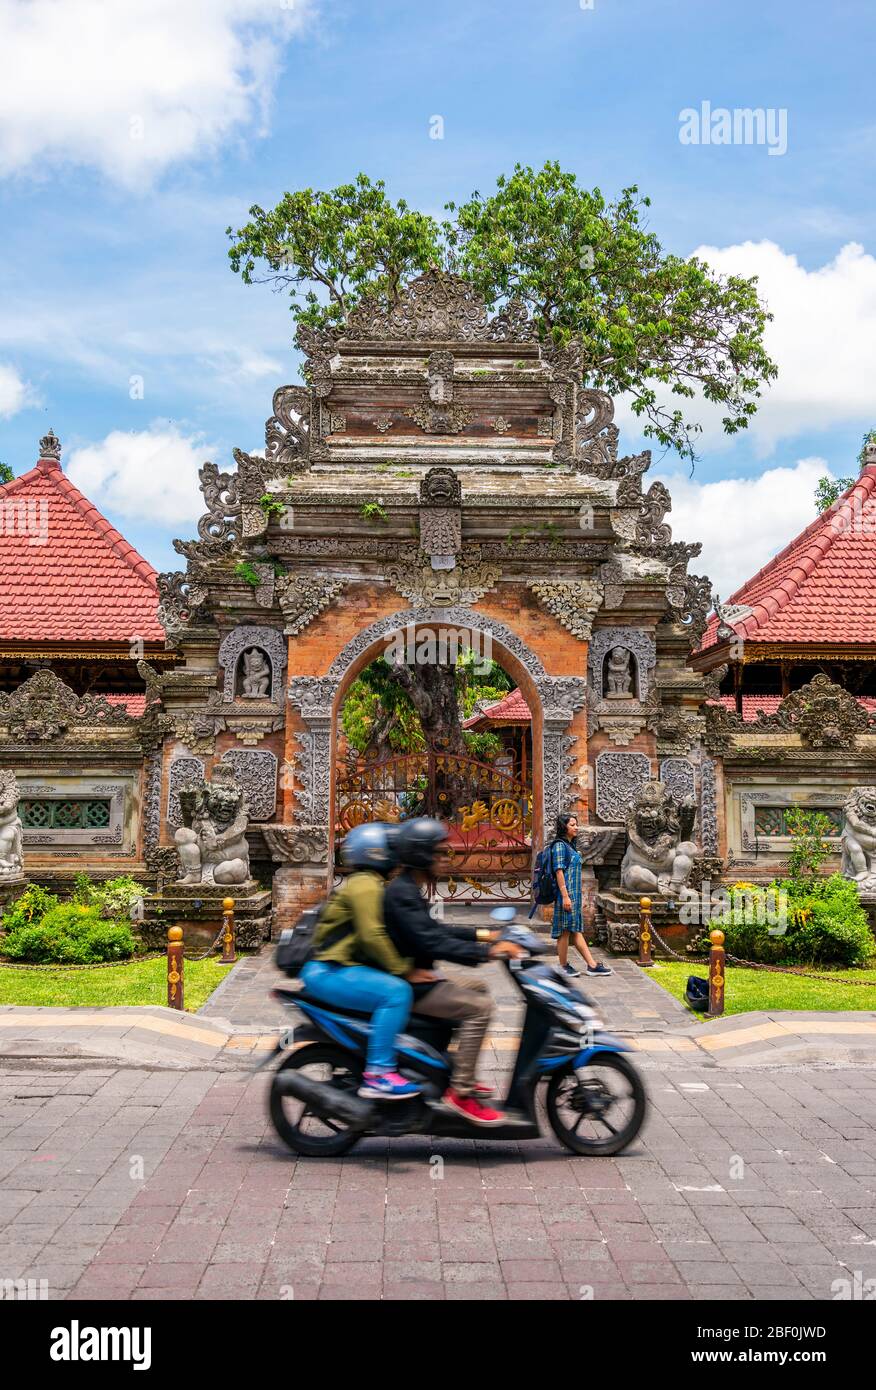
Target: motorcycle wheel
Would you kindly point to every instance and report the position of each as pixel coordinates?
(304, 1132)
(602, 1119)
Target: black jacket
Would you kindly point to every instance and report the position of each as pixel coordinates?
(416, 934)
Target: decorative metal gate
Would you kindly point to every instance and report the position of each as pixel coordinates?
(487, 808)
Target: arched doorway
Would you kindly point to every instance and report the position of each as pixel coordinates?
(499, 868)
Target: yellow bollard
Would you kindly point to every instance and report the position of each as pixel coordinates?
(175, 968)
(228, 956)
(716, 975)
(645, 938)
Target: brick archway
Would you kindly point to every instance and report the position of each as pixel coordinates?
(553, 701)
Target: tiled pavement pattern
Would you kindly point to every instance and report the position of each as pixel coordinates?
(751, 1184)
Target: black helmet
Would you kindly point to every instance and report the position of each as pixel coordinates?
(369, 846)
(418, 841)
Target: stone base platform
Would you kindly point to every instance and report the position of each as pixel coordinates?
(11, 889)
(200, 904)
(617, 923)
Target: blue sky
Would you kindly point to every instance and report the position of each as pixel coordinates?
(131, 135)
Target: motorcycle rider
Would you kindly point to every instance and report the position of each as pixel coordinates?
(355, 964)
(418, 849)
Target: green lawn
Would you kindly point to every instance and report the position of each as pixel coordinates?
(762, 989)
(143, 982)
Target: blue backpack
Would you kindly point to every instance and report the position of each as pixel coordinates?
(544, 883)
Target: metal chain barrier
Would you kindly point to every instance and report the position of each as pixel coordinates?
(760, 965)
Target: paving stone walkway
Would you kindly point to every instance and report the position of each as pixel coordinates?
(126, 1184)
(752, 1178)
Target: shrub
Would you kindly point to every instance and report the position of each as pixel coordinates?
(119, 898)
(71, 934)
(826, 925)
(32, 906)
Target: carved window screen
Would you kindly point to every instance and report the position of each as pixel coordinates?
(771, 821)
(66, 814)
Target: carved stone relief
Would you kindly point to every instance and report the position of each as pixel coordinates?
(304, 596)
(619, 776)
(257, 774)
(678, 776)
(182, 773)
(642, 646)
(231, 650)
(574, 603)
(423, 585)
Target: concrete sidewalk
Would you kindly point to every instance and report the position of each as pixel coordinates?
(240, 1021)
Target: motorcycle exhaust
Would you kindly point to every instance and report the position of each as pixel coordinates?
(325, 1101)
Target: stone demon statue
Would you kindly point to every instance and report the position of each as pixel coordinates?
(859, 838)
(211, 842)
(659, 853)
(10, 828)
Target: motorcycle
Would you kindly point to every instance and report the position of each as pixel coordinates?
(595, 1099)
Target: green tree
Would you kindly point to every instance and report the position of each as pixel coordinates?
(6, 473)
(810, 848)
(648, 323)
(830, 490)
(333, 250)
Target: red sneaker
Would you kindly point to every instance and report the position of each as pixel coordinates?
(481, 1090)
(472, 1109)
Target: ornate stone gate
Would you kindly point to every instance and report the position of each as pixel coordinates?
(440, 468)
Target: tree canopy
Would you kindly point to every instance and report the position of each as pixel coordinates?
(6, 473)
(650, 324)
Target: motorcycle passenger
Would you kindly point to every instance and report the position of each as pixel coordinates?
(418, 848)
(355, 964)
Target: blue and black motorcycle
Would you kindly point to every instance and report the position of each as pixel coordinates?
(594, 1097)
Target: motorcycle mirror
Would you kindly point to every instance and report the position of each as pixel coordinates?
(503, 914)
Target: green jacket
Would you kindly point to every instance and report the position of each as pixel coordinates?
(359, 903)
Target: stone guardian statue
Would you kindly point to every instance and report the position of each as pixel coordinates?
(660, 853)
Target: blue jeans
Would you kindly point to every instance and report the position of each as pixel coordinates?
(386, 997)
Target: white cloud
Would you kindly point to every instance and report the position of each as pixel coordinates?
(822, 338)
(15, 394)
(147, 475)
(743, 522)
(131, 86)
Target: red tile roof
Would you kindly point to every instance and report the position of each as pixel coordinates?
(83, 582)
(511, 709)
(753, 704)
(822, 587)
(134, 704)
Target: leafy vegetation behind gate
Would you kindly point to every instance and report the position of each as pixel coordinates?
(657, 327)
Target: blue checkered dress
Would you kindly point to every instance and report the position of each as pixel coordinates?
(566, 857)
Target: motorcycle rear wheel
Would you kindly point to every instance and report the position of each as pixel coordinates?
(320, 1138)
(619, 1129)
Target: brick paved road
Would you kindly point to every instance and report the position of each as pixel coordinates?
(755, 1183)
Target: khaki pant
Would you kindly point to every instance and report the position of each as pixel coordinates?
(471, 1002)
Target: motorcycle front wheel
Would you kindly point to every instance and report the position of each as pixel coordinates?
(304, 1132)
(599, 1109)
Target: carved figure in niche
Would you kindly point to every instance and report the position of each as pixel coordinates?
(660, 854)
(859, 838)
(619, 674)
(256, 674)
(11, 856)
(211, 843)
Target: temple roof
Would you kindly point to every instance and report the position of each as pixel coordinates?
(68, 575)
(511, 709)
(821, 589)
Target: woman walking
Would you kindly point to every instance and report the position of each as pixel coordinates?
(568, 911)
